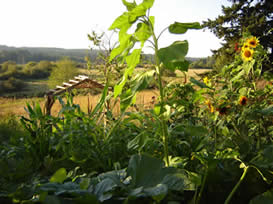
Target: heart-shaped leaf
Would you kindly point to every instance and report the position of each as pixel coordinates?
(173, 57)
(180, 28)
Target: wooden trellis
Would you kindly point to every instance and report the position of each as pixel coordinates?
(80, 81)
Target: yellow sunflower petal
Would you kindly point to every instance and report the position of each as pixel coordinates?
(245, 46)
(252, 42)
(247, 54)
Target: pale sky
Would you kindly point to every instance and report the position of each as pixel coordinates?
(66, 23)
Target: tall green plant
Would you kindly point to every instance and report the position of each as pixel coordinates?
(130, 48)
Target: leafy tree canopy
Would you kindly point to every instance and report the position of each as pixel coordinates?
(65, 69)
(252, 16)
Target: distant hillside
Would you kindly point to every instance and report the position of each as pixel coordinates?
(23, 55)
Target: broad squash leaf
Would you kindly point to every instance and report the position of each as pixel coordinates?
(265, 198)
(59, 176)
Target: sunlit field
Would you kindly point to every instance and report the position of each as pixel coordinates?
(16, 106)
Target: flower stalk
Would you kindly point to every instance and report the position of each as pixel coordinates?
(237, 185)
(164, 129)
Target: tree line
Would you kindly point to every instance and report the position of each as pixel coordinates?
(203, 63)
(31, 54)
(13, 76)
(243, 16)
(27, 54)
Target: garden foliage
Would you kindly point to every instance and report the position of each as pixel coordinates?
(206, 141)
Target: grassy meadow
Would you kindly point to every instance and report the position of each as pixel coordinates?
(15, 106)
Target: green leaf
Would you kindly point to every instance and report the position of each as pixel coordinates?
(59, 176)
(38, 110)
(238, 76)
(100, 104)
(265, 198)
(104, 188)
(116, 176)
(152, 20)
(243, 91)
(180, 28)
(264, 158)
(118, 88)
(125, 42)
(157, 109)
(29, 110)
(139, 169)
(150, 177)
(120, 21)
(132, 60)
(248, 66)
(86, 199)
(143, 32)
(140, 10)
(173, 57)
(196, 131)
(198, 135)
(130, 6)
(140, 82)
(126, 99)
(50, 199)
(138, 142)
(268, 111)
(85, 182)
(167, 112)
(177, 181)
(157, 192)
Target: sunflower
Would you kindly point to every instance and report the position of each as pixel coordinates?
(247, 54)
(206, 81)
(243, 100)
(223, 110)
(245, 46)
(210, 106)
(252, 42)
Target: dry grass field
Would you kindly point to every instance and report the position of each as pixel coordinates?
(16, 106)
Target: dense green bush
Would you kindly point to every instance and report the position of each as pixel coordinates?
(37, 70)
(207, 141)
(11, 85)
(11, 129)
(31, 70)
(10, 70)
(65, 69)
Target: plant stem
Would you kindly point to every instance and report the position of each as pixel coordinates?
(202, 187)
(164, 130)
(237, 185)
(215, 138)
(236, 129)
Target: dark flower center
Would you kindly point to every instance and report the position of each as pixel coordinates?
(247, 53)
